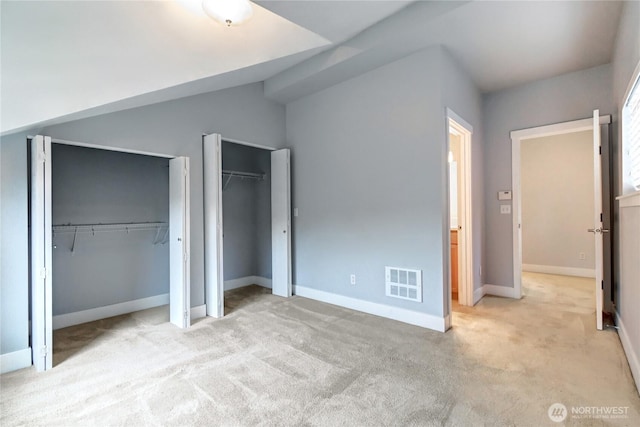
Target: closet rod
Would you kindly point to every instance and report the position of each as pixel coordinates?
(92, 228)
(250, 175)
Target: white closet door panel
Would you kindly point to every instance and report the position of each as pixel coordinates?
(179, 263)
(281, 223)
(598, 228)
(213, 231)
(41, 251)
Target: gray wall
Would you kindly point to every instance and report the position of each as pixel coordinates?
(564, 98)
(14, 262)
(626, 271)
(262, 216)
(92, 186)
(369, 178)
(173, 128)
(246, 213)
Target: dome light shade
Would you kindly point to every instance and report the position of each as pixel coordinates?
(229, 12)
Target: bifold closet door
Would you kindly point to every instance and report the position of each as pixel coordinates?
(213, 238)
(179, 264)
(41, 248)
(281, 223)
(598, 225)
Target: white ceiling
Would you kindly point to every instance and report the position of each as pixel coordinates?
(64, 60)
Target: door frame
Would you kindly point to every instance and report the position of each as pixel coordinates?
(456, 124)
(41, 312)
(517, 137)
(213, 239)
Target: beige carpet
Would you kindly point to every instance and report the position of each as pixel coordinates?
(275, 361)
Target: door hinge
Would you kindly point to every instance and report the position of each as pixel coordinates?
(600, 150)
(43, 273)
(602, 285)
(186, 256)
(600, 217)
(186, 314)
(44, 351)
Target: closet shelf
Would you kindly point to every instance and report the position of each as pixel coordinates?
(243, 175)
(160, 237)
(92, 228)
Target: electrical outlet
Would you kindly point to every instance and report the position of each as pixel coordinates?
(353, 279)
(582, 256)
(505, 209)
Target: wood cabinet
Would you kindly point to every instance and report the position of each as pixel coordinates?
(454, 264)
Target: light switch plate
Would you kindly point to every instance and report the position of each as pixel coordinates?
(505, 209)
(504, 195)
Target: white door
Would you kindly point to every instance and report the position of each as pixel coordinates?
(41, 247)
(280, 223)
(598, 228)
(213, 266)
(179, 264)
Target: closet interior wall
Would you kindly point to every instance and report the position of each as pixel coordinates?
(246, 205)
(107, 266)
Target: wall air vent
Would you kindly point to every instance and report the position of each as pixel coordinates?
(403, 283)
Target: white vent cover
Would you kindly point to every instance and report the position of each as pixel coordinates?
(403, 283)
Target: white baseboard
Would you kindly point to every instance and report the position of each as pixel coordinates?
(84, 316)
(629, 351)
(403, 315)
(478, 294)
(198, 312)
(262, 281)
(555, 269)
(241, 282)
(447, 322)
(15, 360)
(498, 291)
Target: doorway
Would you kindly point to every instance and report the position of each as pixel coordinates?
(598, 224)
(459, 215)
(42, 243)
(217, 178)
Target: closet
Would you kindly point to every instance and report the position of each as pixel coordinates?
(246, 203)
(247, 218)
(109, 234)
(110, 213)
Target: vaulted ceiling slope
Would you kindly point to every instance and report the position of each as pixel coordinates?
(500, 43)
(64, 60)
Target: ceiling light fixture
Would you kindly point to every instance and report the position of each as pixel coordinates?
(229, 12)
